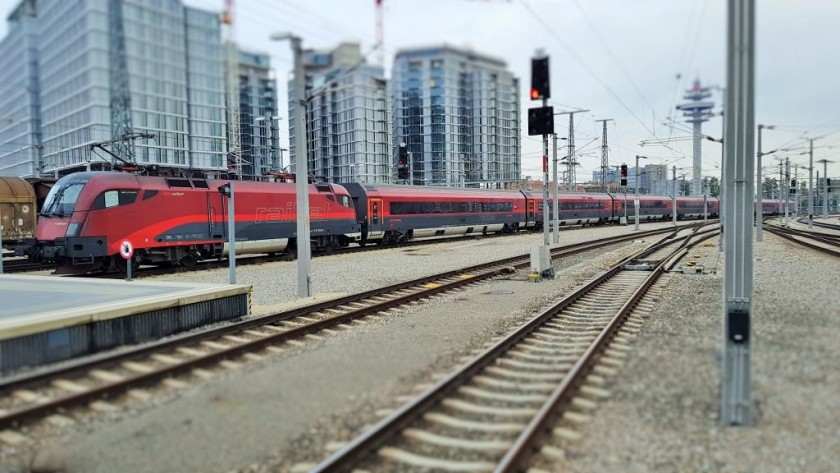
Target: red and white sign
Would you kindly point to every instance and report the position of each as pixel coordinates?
(126, 250)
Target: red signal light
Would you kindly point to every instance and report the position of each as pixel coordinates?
(535, 94)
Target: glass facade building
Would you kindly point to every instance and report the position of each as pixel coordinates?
(259, 133)
(346, 117)
(458, 113)
(107, 67)
(205, 90)
(20, 139)
(347, 126)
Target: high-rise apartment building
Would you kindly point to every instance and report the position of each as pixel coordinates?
(106, 68)
(20, 140)
(345, 55)
(258, 115)
(347, 117)
(458, 113)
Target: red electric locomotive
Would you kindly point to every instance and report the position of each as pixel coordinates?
(87, 215)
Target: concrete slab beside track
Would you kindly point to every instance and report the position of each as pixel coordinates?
(47, 319)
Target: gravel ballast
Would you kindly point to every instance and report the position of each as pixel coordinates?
(663, 413)
(290, 410)
(259, 412)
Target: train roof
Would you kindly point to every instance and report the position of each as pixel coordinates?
(403, 190)
(170, 182)
(15, 189)
(568, 195)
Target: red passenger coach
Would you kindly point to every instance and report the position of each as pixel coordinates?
(169, 220)
(389, 213)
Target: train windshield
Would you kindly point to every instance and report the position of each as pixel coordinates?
(61, 200)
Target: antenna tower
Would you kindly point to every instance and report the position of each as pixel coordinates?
(605, 159)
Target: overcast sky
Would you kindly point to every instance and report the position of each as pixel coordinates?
(629, 60)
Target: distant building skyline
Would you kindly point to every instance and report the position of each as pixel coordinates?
(457, 110)
(346, 119)
(258, 108)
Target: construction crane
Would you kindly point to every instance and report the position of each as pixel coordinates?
(232, 67)
(380, 33)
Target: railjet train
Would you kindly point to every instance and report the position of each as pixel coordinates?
(171, 220)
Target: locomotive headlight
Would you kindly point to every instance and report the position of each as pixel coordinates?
(73, 229)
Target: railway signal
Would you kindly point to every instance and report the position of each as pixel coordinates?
(793, 186)
(540, 83)
(624, 175)
(540, 119)
(541, 122)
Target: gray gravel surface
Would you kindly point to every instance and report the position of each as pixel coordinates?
(663, 415)
(289, 405)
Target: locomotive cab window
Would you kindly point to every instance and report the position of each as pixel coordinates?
(114, 198)
(61, 200)
(345, 200)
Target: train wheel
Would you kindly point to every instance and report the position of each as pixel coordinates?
(188, 261)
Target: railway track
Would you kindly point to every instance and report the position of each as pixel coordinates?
(830, 226)
(496, 412)
(33, 396)
(147, 271)
(818, 241)
(242, 260)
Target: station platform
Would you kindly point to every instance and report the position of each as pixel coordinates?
(47, 319)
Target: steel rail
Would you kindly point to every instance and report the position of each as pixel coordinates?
(798, 239)
(18, 382)
(354, 453)
(484, 271)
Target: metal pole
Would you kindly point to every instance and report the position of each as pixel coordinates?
(825, 186)
(301, 175)
(1, 242)
(811, 185)
(786, 190)
(705, 200)
(410, 180)
(636, 200)
(555, 208)
(674, 198)
(231, 236)
(795, 190)
(759, 209)
(546, 239)
(739, 159)
(625, 205)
